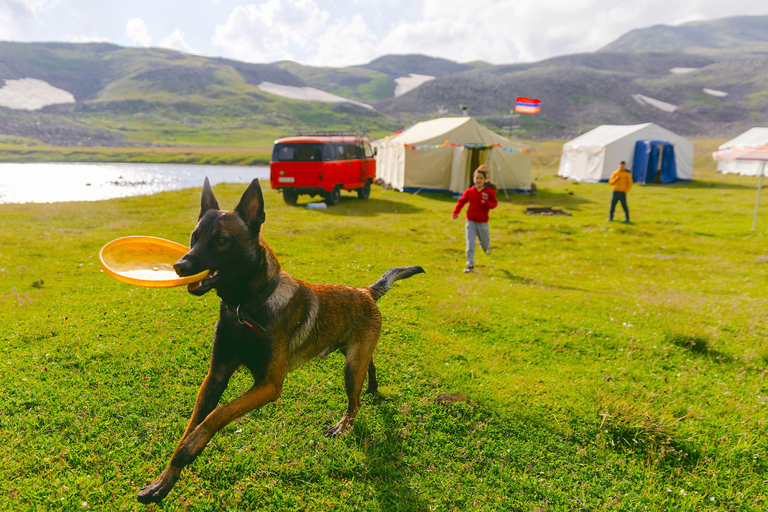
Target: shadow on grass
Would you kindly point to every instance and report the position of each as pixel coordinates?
(565, 199)
(660, 448)
(700, 184)
(518, 279)
(355, 207)
(536, 282)
(388, 472)
(435, 196)
(643, 429)
(544, 197)
(697, 345)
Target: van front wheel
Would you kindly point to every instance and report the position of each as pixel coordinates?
(365, 192)
(334, 196)
(290, 196)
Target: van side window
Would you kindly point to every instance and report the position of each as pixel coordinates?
(352, 151)
(338, 152)
(329, 152)
(368, 150)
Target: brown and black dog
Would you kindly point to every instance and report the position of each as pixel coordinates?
(269, 322)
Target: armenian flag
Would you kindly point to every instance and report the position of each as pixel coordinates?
(528, 106)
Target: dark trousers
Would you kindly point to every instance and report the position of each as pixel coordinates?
(619, 197)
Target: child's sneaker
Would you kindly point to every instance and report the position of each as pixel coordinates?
(487, 251)
(468, 269)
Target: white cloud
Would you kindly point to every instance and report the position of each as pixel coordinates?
(14, 19)
(137, 32)
(344, 43)
(506, 31)
(272, 30)
(175, 41)
(20, 17)
(343, 32)
(36, 6)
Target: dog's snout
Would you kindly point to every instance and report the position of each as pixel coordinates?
(183, 267)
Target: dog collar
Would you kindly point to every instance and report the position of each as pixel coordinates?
(261, 301)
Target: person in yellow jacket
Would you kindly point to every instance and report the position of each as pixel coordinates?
(621, 182)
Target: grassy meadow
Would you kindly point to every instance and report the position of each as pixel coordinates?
(607, 366)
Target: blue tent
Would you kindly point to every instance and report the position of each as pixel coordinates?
(646, 162)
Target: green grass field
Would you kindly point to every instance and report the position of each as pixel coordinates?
(607, 366)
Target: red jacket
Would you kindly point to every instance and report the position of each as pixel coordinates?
(480, 202)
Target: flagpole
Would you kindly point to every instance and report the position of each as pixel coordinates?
(759, 189)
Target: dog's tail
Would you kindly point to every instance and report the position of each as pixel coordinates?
(383, 285)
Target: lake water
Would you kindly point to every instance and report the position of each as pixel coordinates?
(54, 182)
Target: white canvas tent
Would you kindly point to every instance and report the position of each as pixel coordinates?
(596, 154)
(752, 137)
(441, 154)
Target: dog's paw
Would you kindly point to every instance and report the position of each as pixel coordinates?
(342, 426)
(159, 489)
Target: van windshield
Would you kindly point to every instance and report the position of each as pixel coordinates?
(297, 153)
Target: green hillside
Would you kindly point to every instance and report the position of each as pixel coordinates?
(355, 83)
(579, 92)
(129, 96)
(723, 37)
(403, 65)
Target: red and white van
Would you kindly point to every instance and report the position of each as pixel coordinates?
(322, 165)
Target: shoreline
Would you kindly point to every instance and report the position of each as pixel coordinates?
(151, 155)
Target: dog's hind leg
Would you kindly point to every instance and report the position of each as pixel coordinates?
(359, 358)
(373, 384)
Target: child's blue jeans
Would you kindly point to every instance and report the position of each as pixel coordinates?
(479, 230)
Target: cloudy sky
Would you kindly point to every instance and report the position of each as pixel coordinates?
(339, 33)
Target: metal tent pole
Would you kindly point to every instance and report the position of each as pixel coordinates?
(759, 189)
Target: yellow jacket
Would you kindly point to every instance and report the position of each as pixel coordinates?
(621, 181)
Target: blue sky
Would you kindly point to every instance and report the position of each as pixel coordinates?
(340, 33)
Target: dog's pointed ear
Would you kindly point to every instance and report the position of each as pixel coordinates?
(208, 201)
(251, 207)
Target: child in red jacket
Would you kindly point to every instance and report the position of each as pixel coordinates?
(481, 199)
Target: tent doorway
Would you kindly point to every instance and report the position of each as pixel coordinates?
(476, 158)
(654, 162)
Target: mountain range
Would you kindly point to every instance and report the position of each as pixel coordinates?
(702, 79)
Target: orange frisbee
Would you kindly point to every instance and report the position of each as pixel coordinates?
(145, 261)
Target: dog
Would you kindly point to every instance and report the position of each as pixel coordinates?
(269, 322)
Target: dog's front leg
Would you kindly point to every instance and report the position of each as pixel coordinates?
(207, 398)
(259, 395)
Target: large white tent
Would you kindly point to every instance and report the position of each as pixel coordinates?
(440, 155)
(752, 137)
(596, 154)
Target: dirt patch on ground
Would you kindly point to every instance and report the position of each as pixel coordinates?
(545, 210)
